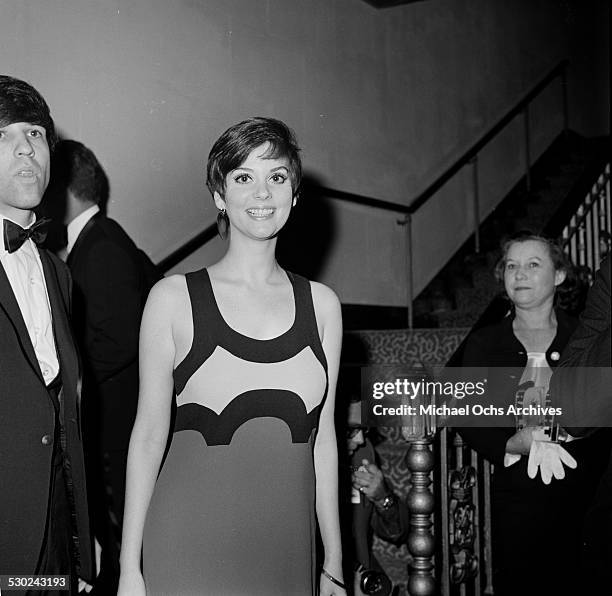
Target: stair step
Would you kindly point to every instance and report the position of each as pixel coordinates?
(468, 299)
(458, 319)
(485, 278)
(467, 283)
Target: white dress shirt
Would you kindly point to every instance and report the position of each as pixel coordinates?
(25, 274)
(75, 227)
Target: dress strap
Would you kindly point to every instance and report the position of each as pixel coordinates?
(205, 326)
(201, 297)
(305, 317)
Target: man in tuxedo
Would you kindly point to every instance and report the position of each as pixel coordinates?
(112, 279)
(43, 506)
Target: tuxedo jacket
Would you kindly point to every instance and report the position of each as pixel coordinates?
(585, 393)
(28, 427)
(112, 279)
(588, 392)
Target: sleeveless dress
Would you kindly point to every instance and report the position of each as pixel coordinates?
(233, 511)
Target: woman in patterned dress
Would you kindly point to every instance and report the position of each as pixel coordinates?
(251, 463)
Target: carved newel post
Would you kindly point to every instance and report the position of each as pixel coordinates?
(421, 543)
(420, 500)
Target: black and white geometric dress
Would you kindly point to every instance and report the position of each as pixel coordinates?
(233, 511)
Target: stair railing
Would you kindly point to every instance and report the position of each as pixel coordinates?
(469, 158)
(465, 548)
(587, 236)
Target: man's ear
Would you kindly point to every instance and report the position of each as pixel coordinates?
(219, 201)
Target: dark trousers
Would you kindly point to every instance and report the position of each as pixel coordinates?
(106, 485)
(56, 557)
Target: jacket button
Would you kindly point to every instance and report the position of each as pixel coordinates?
(46, 440)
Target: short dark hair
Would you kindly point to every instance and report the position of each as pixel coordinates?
(233, 147)
(76, 168)
(20, 102)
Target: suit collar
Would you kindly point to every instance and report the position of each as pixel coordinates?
(81, 237)
(76, 226)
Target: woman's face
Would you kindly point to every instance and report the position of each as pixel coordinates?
(529, 274)
(258, 195)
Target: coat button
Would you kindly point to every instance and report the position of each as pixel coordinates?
(46, 440)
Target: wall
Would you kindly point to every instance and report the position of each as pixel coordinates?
(381, 100)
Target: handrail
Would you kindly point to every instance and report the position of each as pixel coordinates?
(199, 240)
(206, 235)
(467, 157)
(464, 160)
(357, 199)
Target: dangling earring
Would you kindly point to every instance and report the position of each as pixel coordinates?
(222, 224)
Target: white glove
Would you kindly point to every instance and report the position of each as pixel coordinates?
(549, 458)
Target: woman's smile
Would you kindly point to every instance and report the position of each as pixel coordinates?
(261, 212)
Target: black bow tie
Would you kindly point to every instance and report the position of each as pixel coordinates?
(15, 235)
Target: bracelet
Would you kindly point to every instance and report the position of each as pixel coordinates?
(332, 579)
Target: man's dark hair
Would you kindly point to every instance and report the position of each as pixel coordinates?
(233, 147)
(20, 102)
(76, 168)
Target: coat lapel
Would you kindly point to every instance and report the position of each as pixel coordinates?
(59, 300)
(9, 304)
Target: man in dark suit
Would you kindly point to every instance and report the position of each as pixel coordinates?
(43, 506)
(582, 387)
(375, 509)
(112, 279)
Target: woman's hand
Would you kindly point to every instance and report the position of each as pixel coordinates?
(131, 584)
(328, 588)
(520, 442)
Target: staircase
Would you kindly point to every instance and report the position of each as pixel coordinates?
(461, 292)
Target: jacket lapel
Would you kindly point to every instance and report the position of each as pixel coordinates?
(59, 300)
(9, 304)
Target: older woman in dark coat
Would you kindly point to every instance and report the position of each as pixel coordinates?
(536, 526)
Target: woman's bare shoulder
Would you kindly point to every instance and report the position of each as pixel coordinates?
(326, 306)
(324, 298)
(168, 294)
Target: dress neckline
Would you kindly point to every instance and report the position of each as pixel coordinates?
(237, 333)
